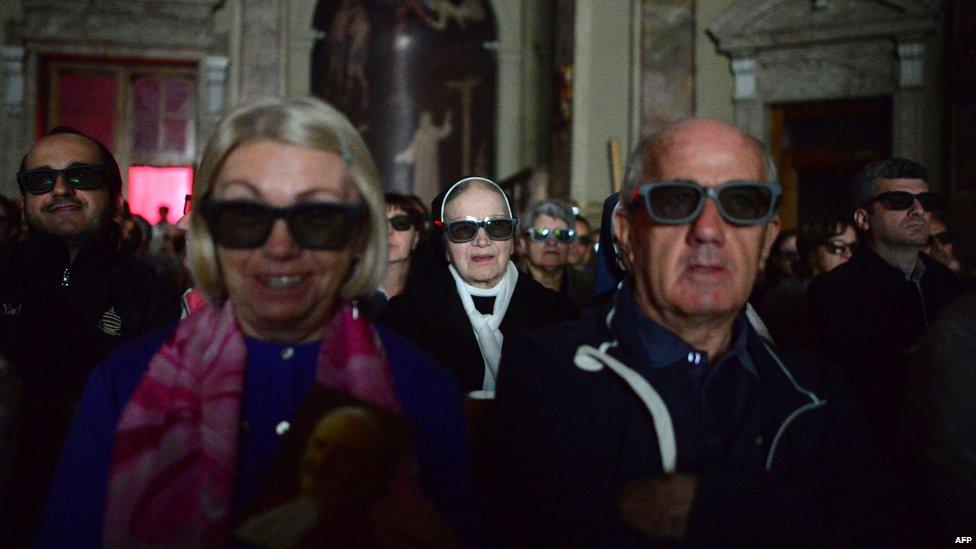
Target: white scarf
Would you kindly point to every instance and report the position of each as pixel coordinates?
(486, 326)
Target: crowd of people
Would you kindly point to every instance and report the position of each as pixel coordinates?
(305, 360)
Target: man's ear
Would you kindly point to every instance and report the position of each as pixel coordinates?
(772, 231)
(119, 200)
(861, 219)
(624, 230)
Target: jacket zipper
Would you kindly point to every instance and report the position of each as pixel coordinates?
(66, 276)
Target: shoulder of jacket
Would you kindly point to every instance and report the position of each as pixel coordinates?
(540, 296)
(844, 279)
(555, 346)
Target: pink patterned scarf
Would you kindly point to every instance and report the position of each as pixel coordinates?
(171, 481)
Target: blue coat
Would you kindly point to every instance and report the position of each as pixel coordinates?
(567, 440)
(428, 396)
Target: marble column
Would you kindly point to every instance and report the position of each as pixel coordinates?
(12, 130)
(908, 115)
(261, 67)
(667, 79)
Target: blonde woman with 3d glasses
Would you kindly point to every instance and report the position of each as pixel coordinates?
(175, 435)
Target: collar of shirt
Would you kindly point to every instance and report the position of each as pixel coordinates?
(662, 347)
(917, 272)
(866, 257)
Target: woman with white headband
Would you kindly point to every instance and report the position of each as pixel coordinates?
(461, 312)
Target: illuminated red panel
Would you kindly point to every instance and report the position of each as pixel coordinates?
(151, 187)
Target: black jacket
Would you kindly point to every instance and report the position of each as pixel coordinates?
(865, 317)
(61, 317)
(939, 420)
(430, 314)
(567, 440)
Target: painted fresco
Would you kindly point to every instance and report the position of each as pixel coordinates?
(417, 78)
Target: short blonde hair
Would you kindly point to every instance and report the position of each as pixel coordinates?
(305, 122)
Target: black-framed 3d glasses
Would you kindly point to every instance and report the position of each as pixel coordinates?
(85, 177)
(903, 200)
(584, 240)
(680, 202)
(541, 234)
(400, 222)
(465, 230)
(244, 224)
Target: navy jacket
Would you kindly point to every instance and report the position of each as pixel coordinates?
(568, 440)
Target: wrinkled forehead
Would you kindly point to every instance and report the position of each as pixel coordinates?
(707, 159)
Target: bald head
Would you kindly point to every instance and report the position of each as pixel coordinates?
(691, 144)
(694, 255)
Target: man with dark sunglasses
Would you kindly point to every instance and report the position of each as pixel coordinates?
(69, 297)
(581, 253)
(668, 417)
(869, 312)
(939, 246)
(544, 249)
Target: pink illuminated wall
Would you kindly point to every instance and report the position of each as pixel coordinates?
(151, 187)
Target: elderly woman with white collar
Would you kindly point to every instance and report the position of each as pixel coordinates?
(463, 309)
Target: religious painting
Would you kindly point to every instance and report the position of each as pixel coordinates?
(338, 460)
(418, 79)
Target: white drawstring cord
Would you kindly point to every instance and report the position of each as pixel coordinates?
(591, 359)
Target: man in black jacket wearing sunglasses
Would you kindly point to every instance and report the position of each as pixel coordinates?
(868, 313)
(68, 298)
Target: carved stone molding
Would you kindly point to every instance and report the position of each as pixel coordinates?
(828, 71)
(814, 50)
(753, 25)
(147, 24)
(799, 51)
